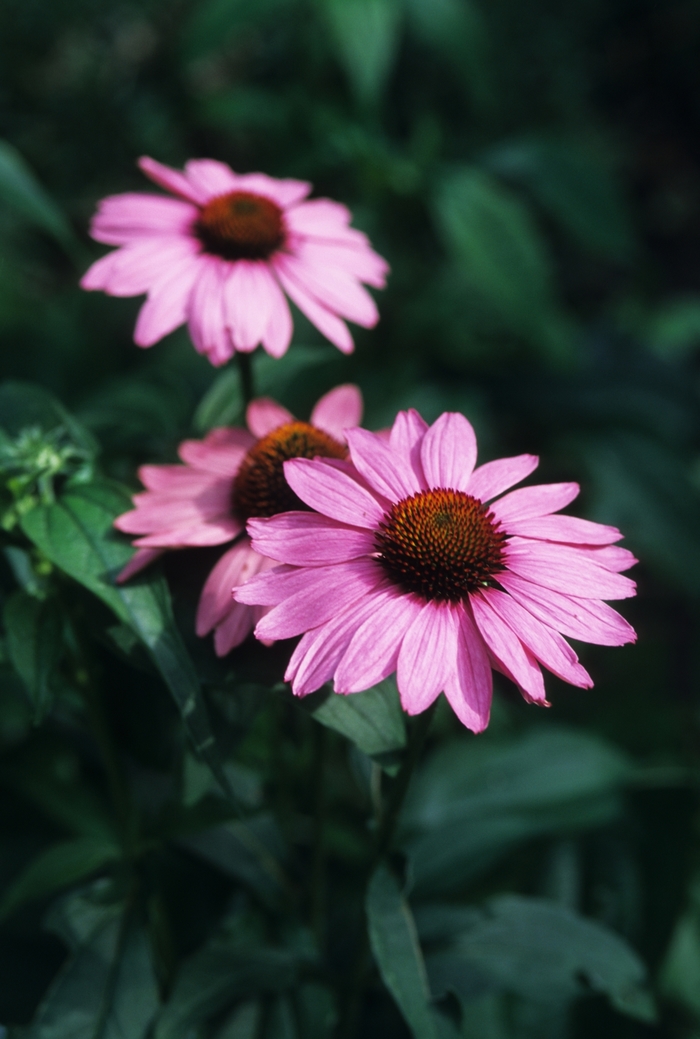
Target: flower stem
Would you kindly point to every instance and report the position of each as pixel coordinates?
(385, 834)
(245, 370)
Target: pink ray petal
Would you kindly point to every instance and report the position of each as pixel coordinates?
(283, 192)
(448, 452)
(211, 532)
(264, 414)
(383, 469)
(334, 288)
(278, 330)
(236, 565)
(428, 655)
(406, 437)
(528, 502)
(210, 178)
(175, 481)
(564, 569)
(493, 478)
(332, 492)
(233, 629)
(247, 303)
(279, 583)
(612, 557)
(307, 539)
(507, 648)
(166, 306)
(374, 648)
(325, 321)
(470, 689)
(220, 453)
(338, 410)
(170, 179)
(358, 260)
(205, 312)
(122, 218)
(141, 558)
(320, 217)
(569, 529)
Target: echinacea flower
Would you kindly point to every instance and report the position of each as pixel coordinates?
(222, 254)
(405, 566)
(226, 478)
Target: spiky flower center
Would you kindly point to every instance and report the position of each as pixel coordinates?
(260, 488)
(441, 544)
(240, 226)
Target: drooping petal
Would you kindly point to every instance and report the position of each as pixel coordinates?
(507, 648)
(374, 648)
(448, 452)
(528, 502)
(141, 558)
(308, 539)
(264, 414)
(565, 569)
(428, 655)
(136, 268)
(205, 312)
(569, 529)
(199, 535)
(122, 218)
(170, 179)
(220, 453)
(325, 321)
(247, 303)
(234, 628)
(495, 477)
(166, 306)
(383, 469)
(338, 410)
(334, 288)
(175, 481)
(236, 566)
(470, 689)
(278, 330)
(356, 259)
(332, 492)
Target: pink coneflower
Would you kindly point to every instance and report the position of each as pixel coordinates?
(223, 253)
(228, 477)
(404, 567)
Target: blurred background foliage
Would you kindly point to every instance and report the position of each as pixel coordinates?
(532, 174)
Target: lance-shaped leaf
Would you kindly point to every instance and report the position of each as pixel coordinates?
(77, 534)
(33, 636)
(373, 720)
(398, 955)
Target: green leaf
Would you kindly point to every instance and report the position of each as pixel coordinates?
(474, 800)
(373, 720)
(24, 404)
(107, 990)
(366, 35)
(33, 637)
(56, 867)
(23, 194)
(457, 30)
(243, 1023)
(395, 946)
(494, 240)
(77, 534)
(679, 979)
(218, 975)
(540, 950)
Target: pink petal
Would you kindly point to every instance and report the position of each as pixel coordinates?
(470, 688)
(210, 178)
(138, 267)
(284, 192)
(319, 217)
(326, 322)
(170, 179)
(544, 644)
(211, 532)
(509, 650)
(565, 570)
(374, 648)
(307, 539)
(175, 481)
(236, 566)
(357, 259)
(332, 492)
(141, 558)
(528, 502)
(205, 312)
(220, 453)
(338, 410)
(319, 652)
(247, 303)
(383, 469)
(334, 288)
(448, 452)
(569, 529)
(278, 330)
(612, 557)
(121, 218)
(428, 655)
(234, 628)
(344, 584)
(280, 583)
(493, 478)
(584, 619)
(264, 414)
(406, 438)
(166, 306)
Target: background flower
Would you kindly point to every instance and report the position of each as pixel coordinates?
(403, 567)
(226, 478)
(222, 254)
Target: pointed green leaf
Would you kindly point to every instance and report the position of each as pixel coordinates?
(395, 946)
(23, 194)
(366, 36)
(33, 632)
(373, 720)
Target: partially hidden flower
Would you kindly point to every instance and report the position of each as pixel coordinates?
(405, 566)
(230, 476)
(222, 254)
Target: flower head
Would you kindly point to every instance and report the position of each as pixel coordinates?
(230, 476)
(223, 252)
(416, 562)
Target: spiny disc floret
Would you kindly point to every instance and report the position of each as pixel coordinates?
(440, 544)
(240, 226)
(260, 487)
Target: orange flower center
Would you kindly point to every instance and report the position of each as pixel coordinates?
(260, 488)
(240, 226)
(440, 544)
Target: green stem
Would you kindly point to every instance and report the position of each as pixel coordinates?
(385, 834)
(245, 370)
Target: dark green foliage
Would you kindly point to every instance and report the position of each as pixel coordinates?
(186, 852)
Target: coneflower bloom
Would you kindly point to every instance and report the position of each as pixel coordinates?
(405, 566)
(223, 252)
(230, 476)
